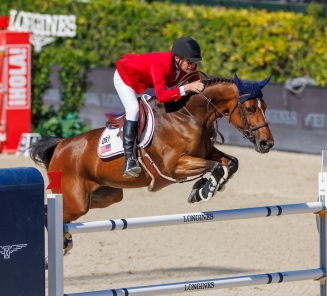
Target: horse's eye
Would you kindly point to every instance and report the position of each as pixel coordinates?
(249, 109)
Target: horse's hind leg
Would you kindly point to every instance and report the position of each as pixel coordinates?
(76, 203)
(105, 196)
(101, 197)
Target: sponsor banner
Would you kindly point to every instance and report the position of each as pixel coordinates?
(42, 24)
(298, 121)
(18, 84)
(43, 27)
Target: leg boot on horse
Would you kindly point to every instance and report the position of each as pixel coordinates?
(131, 166)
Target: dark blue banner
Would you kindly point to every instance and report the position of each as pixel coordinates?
(22, 255)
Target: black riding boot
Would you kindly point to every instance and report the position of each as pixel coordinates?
(131, 166)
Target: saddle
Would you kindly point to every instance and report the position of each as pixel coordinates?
(116, 120)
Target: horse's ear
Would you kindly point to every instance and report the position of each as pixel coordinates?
(264, 82)
(240, 84)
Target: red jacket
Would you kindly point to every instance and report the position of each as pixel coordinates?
(148, 70)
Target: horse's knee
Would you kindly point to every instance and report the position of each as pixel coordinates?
(233, 165)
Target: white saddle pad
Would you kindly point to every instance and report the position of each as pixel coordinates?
(110, 144)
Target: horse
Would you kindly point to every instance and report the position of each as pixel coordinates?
(182, 147)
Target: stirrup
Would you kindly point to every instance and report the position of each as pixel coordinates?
(131, 170)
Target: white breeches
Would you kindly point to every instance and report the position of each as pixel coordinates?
(128, 97)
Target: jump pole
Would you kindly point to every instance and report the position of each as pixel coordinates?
(211, 284)
(56, 272)
(190, 218)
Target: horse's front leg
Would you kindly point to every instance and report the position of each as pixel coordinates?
(203, 189)
(229, 163)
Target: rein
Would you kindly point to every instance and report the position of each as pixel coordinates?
(247, 132)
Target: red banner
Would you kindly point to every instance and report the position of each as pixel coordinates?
(15, 77)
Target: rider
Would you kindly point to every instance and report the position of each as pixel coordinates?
(137, 72)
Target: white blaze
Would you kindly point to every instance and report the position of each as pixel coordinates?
(259, 105)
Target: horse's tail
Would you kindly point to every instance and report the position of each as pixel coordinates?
(41, 151)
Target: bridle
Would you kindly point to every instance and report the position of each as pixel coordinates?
(247, 132)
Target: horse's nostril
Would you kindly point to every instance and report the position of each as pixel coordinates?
(264, 144)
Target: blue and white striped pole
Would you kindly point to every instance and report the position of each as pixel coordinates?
(211, 284)
(190, 218)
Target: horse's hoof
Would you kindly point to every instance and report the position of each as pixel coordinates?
(68, 243)
(194, 196)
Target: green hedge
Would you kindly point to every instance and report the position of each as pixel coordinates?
(252, 43)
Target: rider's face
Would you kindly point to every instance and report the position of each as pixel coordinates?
(186, 65)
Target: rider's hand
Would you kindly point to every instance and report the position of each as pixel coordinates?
(196, 86)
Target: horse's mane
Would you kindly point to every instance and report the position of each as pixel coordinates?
(216, 80)
(172, 107)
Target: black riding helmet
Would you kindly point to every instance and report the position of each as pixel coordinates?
(188, 48)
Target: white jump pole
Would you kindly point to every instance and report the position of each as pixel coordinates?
(323, 231)
(189, 218)
(211, 284)
(55, 246)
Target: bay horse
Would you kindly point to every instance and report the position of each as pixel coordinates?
(182, 147)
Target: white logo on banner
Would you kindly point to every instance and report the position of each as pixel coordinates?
(315, 120)
(43, 27)
(282, 117)
(7, 250)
